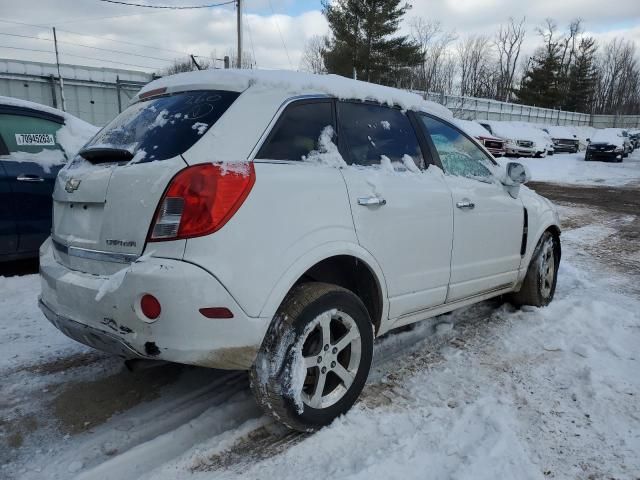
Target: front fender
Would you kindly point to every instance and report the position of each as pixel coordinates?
(316, 255)
(542, 216)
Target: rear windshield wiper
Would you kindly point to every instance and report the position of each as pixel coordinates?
(106, 154)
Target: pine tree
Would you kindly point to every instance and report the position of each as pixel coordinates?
(582, 77)
(539, 85)
(363, 40)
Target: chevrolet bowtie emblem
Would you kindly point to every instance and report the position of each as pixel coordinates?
(72, 185)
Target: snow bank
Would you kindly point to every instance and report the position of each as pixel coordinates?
(295, 83)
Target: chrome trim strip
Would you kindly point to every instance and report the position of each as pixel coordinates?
(98, 255)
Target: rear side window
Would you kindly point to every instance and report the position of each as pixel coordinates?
(23, 133)
(374, 131)
(163, 127)
(297, 132)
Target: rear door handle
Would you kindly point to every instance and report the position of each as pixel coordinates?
(371, 201)
(29, 178)
(466, 205)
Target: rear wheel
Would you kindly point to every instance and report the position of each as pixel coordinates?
(315, 358)
(539, 284)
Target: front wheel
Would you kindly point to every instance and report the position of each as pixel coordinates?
(539, 284)
(315, 358)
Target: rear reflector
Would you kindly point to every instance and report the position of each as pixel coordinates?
(150, 306)
(216, 312)
(201, 199)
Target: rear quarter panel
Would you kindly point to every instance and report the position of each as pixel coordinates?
(293, 209)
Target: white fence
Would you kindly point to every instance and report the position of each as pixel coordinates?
(470, 108)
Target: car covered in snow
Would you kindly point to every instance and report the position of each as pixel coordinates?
(520, 140)
(35, 142)
(563, 139)
(606, 144)
(278, 222)
(493, 144)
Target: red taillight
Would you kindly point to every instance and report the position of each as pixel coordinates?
(150, 306)
(201, 199)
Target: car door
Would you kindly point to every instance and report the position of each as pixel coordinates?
(8, 230)
(31, 165)
(401, 207)
(488, 222)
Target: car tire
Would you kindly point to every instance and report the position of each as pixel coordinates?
(539, 285)
(321, 334)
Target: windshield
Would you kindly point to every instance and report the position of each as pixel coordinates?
(163, 127)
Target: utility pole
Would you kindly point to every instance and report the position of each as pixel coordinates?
(55, 44)
(239, 10)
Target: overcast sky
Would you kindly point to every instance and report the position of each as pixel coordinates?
(274, 30)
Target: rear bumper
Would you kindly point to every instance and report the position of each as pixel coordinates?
(103, 312)
(559, 147)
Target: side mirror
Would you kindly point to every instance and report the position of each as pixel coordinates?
(517, 174)
(588, 140)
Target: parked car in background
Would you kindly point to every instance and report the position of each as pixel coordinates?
(583, 133)
(520, 140)
(35, 141)
(634, 138)
(215, 222)
(563, 139)
(626, 140)
(607, 145)
(493, 144)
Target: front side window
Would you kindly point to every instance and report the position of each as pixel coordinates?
(459, 155)
(373, 132)
(297, 132)
(164, 127)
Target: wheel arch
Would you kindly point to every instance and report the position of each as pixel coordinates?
(344, 264)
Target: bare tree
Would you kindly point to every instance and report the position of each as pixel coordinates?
(437, 70)
(618, 87)
(508, 43)
(313, 55)
(476, 66)
(186, 65)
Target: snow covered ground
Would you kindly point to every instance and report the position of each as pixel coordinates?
(486, 392)
(572, 169)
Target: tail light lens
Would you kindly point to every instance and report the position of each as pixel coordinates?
(201, 199)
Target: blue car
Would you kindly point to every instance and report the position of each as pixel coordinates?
(31, 154)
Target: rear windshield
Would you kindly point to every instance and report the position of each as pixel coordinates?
(163, 127)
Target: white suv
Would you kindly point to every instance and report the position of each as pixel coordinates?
(277, 223)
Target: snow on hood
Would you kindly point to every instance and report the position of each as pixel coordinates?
(607, 135)
(473, 128)
(72, 136)
(296, 83)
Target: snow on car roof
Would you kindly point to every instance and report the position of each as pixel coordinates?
(296, 83)
(557, 131)
(72, 136)
(473, 128)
